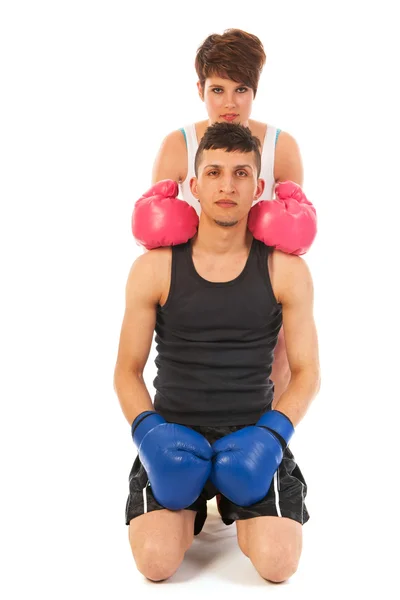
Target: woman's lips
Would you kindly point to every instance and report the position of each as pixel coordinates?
(229, 117)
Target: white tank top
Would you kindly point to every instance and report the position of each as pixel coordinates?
(267, 165)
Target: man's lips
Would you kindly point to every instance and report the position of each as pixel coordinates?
(226, 203)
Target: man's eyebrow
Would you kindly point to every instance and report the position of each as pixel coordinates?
(217, 166)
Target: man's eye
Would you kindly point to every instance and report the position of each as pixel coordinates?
(240, 173)
(212, 172)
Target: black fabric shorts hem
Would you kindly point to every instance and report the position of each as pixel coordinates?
(285, 497)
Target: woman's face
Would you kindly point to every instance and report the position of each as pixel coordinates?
(226, 100)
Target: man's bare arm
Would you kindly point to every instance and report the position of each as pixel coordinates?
(293, 288)
(142, 296)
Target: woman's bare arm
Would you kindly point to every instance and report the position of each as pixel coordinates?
(171, 159)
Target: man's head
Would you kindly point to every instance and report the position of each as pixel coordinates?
(227, 167)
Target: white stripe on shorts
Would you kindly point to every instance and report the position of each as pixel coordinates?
(276, 490)
(145, 498)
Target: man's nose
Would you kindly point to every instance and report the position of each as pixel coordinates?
(227, 185)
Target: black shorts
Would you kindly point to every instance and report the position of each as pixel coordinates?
(285, 497)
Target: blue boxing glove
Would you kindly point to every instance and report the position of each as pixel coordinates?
(245, 461)
(177, 459)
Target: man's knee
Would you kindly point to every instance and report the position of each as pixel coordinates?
(275, 564)
(157, 561)
(159, 540)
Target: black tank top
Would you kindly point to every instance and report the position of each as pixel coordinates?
(215, 343)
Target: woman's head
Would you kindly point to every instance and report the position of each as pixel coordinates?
(235, 55)
(229, 67)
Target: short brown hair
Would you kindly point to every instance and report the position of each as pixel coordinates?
(231, 137)
(235, 55)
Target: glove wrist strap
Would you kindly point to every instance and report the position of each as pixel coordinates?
(279, 424)
(143, 423)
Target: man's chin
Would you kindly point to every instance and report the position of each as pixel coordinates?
(225, 223)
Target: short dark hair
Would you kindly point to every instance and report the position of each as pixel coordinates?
(235, 55)
(230, 137)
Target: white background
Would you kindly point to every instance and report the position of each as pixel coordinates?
(88, 91)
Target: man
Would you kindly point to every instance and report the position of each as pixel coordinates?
(217, 304)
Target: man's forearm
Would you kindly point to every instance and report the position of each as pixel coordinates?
(301, 391)
(132, 393)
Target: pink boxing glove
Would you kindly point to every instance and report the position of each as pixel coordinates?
(288, 223)
(160, 219)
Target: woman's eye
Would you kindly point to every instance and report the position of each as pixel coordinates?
(242, 90)
(217, 90)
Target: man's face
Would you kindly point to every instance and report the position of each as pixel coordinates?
(227, 185)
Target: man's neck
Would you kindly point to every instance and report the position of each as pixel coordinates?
(213, 239)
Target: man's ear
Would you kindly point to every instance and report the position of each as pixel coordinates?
(260, 188)
(194, 187)
(200, 90)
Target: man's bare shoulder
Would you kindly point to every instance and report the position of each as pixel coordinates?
(288, 261)
(150, 271)
(153, 261)
(290, 274)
